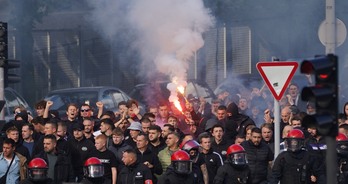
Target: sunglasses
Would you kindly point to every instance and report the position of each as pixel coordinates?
(85, 110)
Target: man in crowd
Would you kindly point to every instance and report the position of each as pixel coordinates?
(27, 135)
(72, 117)
(88, 124)
(167, 129)
(62, 131)
(16, 162)
(106, 128)
(40, 107)
(260, 157)
(156, 142)
(106, 157)
(58, 161)
(148, 157)
(219, 143)
(118, 146)
(133, 170)
(163, 114)
(236, 123)
(172, 142)
(212, 159)
(81, 149)
(267, 135)
(145, 125)
(134, 131)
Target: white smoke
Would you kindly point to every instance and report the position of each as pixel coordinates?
(168, 32)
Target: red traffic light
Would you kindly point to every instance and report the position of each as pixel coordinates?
(324, 68)
(307, 67)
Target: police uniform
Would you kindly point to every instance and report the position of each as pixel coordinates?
(235, 170)
(229, 174)
(297, 168)
(136, 173)
(171, 177)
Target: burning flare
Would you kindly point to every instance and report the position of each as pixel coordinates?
(175, 87)
(181, 89)
(177, 105)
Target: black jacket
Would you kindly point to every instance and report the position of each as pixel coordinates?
(342, 177)
(158, 148)
(227, 174)
(297, 168)
(152, 158)
(79, 153)
(30, 181)
(101, 180)
(213, 161)
(136, 173)
(221, 148)
(171, 177)
(237, 123)
(258, 158)
(118, 149)
(63, 170)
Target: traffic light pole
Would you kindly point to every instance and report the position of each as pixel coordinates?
(2, 91)
(330, 48)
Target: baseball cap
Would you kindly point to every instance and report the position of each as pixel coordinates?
(78, 126)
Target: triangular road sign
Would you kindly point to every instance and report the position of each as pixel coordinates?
(277, 75)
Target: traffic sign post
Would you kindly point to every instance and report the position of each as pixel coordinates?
(277, 76)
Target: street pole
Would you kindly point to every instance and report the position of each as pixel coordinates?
(276, 128)
(330, 46)
(2, 91)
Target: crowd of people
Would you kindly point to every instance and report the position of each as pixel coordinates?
(227, 140)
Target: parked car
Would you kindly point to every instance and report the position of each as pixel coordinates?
(154, 92)
(109, 96)
(13, 100)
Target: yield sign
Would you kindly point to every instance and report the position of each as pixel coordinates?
(277, 76)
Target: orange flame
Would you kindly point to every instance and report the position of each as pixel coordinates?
(177, 105)
(181, 89)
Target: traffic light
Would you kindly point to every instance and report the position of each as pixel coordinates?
(324, 93)
(3, 43)
(5, 62)
(10, 77)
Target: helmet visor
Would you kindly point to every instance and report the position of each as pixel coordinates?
(37, 174)
(293, 144)
(94, 171)
(182, 167)
(238, 159)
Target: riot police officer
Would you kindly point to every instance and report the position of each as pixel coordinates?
(199, 167)
(179, 171)
(296, 165)
(342, 155)
(93, 171)
(235, 170)
(37, 172)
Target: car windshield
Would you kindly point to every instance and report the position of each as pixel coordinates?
(62, 99)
